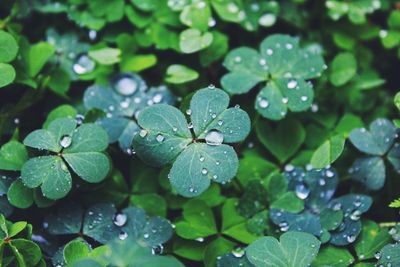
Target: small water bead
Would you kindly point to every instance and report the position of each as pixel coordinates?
(92, 35)
(267, 20)
(292, 84)
(269, 51)
(125, 103)
(211, 22)
(204, 171)
(213, 115)
(284, 226)
(157, 98)
(351, 238)
(214, 138)
(263, 102)
(329, 173)
(202, 158)
(321, 182)
(200, 239)
(211, 86)
(302, 191)
(146, 235)
(262, 62)
(337, 206)
(285, 100)
(393, 231)
(289, 167)
(220, 122)
(289, 46)
(160, 138)
(232, 8)
(304, 98)
(83, 65)
(79, 118)
(126, 85)
(238, 253)
(383, 33)
(215, 177)
(123, 235)
(190, 125)
(188, 112)
(238, 59)
(217, 163)
(65, 141)
(355, 215)
(201, 5)
(314, 108)
(143, 133)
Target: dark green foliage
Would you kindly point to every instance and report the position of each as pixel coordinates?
(118, 147)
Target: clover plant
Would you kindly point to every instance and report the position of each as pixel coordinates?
(198, 149)
(283, 65)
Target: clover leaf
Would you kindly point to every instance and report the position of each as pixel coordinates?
(103, 223)
(283, 65)
(198, 150)
(16, 245)
(355, 10)
(335, 220)
(8, 51)
(123, 99)
(79, 149)
(294, 249)
(389, 255)
(378, 143)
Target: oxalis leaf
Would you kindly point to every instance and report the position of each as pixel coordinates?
(295, 249)
(283, 65)
(78, 148)
(334, 220)
(377, 143)
(103, 223)
(198, 150)
(122, 100)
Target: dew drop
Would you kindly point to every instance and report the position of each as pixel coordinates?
(143, 133)
(355, 215)
(188, 112)
(292, 84)
(351, 238)
(146, 235)
(126, 85)
(238, 253)
(238, 59)
(304, 98)
(214, 138)
(211, 86)
(160, 138)
(220, 122)
(202, 158)
(83, 65)
(269, 51)
(285, 100)
(267, 20)
(263, 102)
(204, 171)
(123, 235)
(190, 125)
(302, 191)
(65, 141)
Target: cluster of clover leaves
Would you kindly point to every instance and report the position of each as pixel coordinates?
(283, 65)
(102, 223)
(198, 149)
(122, 101)
(66, 146)
(379, 143)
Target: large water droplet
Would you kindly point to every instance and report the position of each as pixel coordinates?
(351, 238)
(157, 250)
(65, 141)
(284, 226)
(126, 85)
(378, 255)
(238, 253)
(214, 138)
(83, 65)
(120, 219)
(302, 191)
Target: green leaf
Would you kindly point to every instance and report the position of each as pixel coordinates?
(217, 49)
(48, 172)
(137, 63)
(283, 141)
(13, 155)
(74, 251)
(106, 56)
(38, 55)
(192, 40)
(27, 251)
(344, 67)
(19, 195)
(294, 249)
(216, 248)
(198, 221)
(199, 164)
(377, 140)
(371, 240)
(370, 171)
(288, 202)
(390, 255)
(8, 47)
(328, 152)
(61, 111)
(177, 74)
(7, 74)
(16, 228)
(334, 257)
